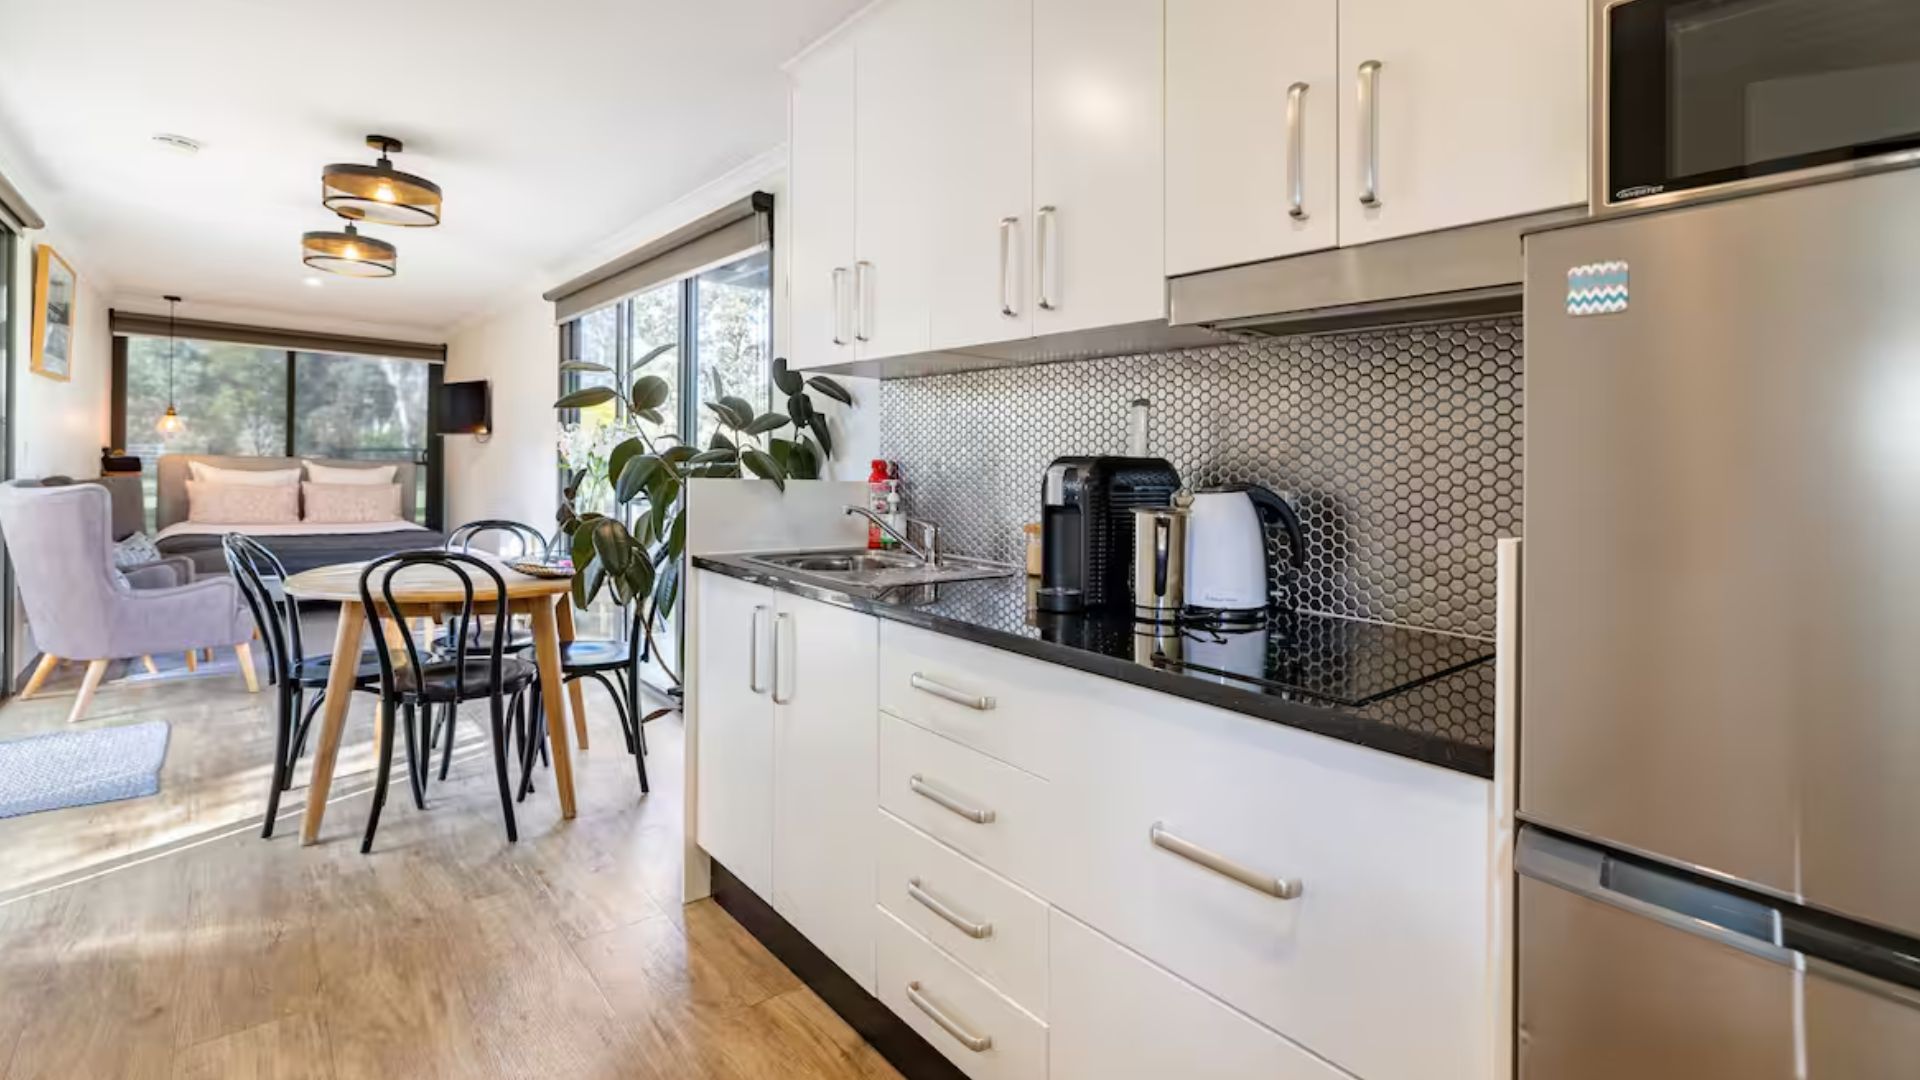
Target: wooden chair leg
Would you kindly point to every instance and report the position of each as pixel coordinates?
(193, 659)
(96, 671)
(39, 676)
(147, 662)
(244, 653)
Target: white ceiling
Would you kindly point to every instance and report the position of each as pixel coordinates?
(550, 126)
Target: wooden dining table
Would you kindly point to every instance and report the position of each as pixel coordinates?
(431, 592)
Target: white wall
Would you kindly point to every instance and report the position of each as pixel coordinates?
(59, 427)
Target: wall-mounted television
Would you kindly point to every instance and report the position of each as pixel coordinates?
(466, 408)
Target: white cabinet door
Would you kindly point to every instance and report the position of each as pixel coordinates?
(980, 193)
(1118, 1017)
(1252, 141)
(892, 263)
(825, 725)
(1099, 154)
(1481, 107)
(820, 200)
(733, 699)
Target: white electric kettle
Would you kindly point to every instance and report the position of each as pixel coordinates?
(1227, 570)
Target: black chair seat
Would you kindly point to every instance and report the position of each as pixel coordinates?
(480, 639)
(594, 655)
(315, 671)
(445, 680)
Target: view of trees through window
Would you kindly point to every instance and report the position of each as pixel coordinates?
(234, 400)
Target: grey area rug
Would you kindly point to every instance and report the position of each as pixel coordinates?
(79, 768)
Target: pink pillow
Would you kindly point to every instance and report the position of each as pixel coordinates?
(351, 504)
(212, 503)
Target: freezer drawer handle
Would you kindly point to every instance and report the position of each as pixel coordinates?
(974, 930)
(927, 791)
(980, 702)
(1370, 133)
(1280, 888)
(979, 1044)
(1296, 151)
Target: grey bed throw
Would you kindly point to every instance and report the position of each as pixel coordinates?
(304, 552)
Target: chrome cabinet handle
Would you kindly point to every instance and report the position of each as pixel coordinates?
(753, 650)
(975, 930)
(1048, 241)
(1370, 133)
(839, 304)
(979, 1044)
(1280, 888)
(862, 328)
(1008, 305)
(780, 621)
(980, 702)
(1296, 151)
(940, 798)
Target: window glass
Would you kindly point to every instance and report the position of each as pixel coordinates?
(232, 399)
(733, 333)
(365, 408)
(653, 321)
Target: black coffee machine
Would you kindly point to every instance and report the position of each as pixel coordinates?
(1086, 528)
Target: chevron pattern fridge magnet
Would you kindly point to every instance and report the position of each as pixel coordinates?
(1597, 289)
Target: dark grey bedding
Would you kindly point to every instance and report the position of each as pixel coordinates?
(304, 552)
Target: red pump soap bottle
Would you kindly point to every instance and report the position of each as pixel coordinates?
(880, 485)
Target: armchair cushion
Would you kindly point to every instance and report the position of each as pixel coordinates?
(135, 550)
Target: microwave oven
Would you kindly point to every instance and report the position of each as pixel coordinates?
(1707, 98)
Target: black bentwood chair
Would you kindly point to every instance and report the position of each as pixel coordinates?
(417, 683)
(615, 665)
(262, 580)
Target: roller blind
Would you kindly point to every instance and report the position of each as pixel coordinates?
(719, 237)
(127, 322)
(15, 208)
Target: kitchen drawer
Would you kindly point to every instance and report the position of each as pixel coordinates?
(1118, 1017)
(1380, 963)
(986, 1035)
(981, 919)
(1002, 704)
(987, 809)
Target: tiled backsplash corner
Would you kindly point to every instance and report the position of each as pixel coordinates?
(1401, 448)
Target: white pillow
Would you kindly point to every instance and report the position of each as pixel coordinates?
(351, 504)
(242, 504)
(344, 474)
(214, 474)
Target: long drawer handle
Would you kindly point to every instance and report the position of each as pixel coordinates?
(979, 1044)
(1280, 888)
(1296, 152)
(1370, 133)
(1008, 305)
(753, 650)
(925, 685)
(927, 791)
(975, 930)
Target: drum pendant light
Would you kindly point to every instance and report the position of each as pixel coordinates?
(170, 423)
(349, 254)
(379, 193)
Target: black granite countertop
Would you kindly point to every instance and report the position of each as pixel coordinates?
(1418, 694)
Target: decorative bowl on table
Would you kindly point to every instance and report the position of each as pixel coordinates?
(542, 568)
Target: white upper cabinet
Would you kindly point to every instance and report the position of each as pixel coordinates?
(1454, 113)
(820, 119)
(1099, 157)
(893, 262)
(980, 196)
(1252, 130)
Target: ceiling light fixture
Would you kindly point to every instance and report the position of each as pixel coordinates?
(313, 281)
(379, 193)
(170, 423)
(348, 254)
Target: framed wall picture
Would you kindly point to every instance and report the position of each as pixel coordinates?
(54, 296)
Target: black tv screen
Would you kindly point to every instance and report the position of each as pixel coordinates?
(466, 408)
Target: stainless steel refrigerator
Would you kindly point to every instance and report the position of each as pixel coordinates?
(1719, 731)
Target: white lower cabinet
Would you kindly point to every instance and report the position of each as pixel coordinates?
(1118, 1017)
(974, 1025)
(986, 809)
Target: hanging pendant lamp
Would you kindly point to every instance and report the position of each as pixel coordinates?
(379, 193)
(349, 254)
(170, 423)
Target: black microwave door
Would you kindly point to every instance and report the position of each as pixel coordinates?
(1707, 92)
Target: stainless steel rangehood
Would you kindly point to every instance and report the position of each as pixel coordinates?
(1470, 271)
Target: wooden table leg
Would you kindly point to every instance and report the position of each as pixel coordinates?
(546, 647)
(576, 695)
(333, 721)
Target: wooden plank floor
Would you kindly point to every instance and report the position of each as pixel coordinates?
(162, 938)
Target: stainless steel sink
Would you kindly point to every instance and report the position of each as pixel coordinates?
(874, 572)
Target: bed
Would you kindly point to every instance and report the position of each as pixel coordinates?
(300, 546)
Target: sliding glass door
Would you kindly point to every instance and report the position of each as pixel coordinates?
(7, 324)
(363, 408)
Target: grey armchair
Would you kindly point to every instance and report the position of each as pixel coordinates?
(61, 543)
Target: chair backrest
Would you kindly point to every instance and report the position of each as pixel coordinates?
(262, 581)
(377, 581)
(531, 543)
(61, 543)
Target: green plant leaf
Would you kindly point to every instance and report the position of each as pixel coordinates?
(677, 538)
(800, 407)
(660, 508)
(649, 392)
(651, 416)
(706, 456)
(766, 422)
(764, 467)
(677, 455)
(587, 398)
(720, 442)
(726, 414)
(818, 423)
(741, 408)
(717, 470)
(581, 546)
(781, 449)
(654, 353)
(787, 382)
(666, 586)
(612, 546)
(585, 365)
(619, 456)
(638, 577)
(596, 579)
(830, 388)
(804, 464)
(634, 475)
